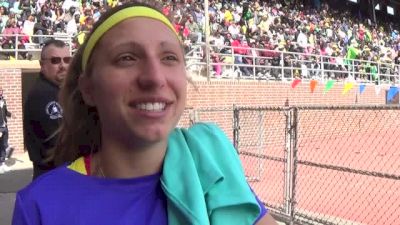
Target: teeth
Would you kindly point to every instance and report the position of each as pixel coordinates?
(151, 106)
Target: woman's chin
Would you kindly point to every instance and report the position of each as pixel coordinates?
(153, 135)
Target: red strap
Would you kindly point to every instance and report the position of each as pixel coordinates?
(87, 160)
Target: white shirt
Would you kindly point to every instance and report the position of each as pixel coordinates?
(28, 27)
(69, 3)
(302, 40)
(234, 30)
(72, 28)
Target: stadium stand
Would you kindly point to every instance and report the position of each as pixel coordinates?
(243, 35)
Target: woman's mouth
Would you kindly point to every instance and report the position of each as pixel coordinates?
(151, 106)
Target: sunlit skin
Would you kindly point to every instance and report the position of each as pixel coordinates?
(137, 62)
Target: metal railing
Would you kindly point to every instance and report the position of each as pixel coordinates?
(262, 64)
(256, 64)
(318, 164)
(22, 46)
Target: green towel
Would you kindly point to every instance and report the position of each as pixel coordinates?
(204, 180)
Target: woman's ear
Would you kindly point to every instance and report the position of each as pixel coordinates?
(85, 86)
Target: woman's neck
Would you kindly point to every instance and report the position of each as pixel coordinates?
(120, 162)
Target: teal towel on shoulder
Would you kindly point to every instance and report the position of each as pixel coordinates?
(204, 180)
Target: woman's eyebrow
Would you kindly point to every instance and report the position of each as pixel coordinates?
(130, 44)
(168, 44)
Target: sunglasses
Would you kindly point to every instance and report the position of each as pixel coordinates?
(57, 60)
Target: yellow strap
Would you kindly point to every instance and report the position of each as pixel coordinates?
(134, 11)
(78, 166)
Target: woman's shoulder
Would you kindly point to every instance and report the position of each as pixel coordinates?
(53, 181)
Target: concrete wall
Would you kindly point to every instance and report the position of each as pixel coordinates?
(203, 94)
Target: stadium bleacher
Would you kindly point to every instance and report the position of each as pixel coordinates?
(248, 28)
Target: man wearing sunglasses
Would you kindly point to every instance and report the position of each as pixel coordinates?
(42, 112)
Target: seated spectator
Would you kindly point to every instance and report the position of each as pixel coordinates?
(96, 14)
(194, 30)
(15, 7)
(42, 27)
(4, 3)
(68, 4)
(9, 40)
(218, 41)
(72, 26)
(59, 23)
(28, 25)
(70, 14)
(3, 17)
(247, 58)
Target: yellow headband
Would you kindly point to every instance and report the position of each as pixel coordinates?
(134, 11)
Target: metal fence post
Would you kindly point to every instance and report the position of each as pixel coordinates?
(290, 156)
(236, 127)
(254, 65)
(398, 71)
(282, 62)
(16, 46)
(379, 73)
(293, 138)
(260, 143)
(288, 164)
(322, 67)
(193, 117)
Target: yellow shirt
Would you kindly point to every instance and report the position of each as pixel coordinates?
(228, 17)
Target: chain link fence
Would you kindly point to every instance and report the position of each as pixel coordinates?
(319, 164)
(221, 116)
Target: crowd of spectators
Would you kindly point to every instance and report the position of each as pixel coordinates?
(269, 26)
(31, 19)
(289, 26)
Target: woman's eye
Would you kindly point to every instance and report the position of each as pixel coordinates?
(126, 58)
(171, 58)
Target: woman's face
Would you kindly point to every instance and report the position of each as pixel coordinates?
(138, 82)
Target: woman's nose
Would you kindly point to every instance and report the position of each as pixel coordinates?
(152, 74)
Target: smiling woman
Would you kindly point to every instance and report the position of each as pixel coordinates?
(120, 157)
(139, 73)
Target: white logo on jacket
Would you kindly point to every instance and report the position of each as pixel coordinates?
(54, 110)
